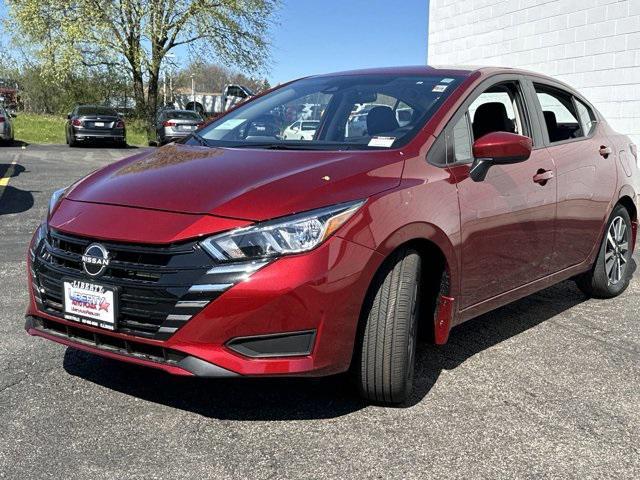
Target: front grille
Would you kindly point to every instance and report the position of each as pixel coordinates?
(160, 287)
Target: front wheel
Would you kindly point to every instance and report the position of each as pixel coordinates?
(385, 358)
(610, 275)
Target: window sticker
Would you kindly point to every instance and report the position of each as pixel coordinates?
(231, 123)
(439, 88)
(381, 141)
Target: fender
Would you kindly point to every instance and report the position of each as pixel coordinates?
(628, 191)
(445, 316)
(419, 231)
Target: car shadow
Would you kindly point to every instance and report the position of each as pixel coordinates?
(106, 145)
(15, 143)
(13, 200)
(296, 399)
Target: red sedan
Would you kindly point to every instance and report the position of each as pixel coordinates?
(241, 253)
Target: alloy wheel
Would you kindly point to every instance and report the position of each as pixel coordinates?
(615, 259)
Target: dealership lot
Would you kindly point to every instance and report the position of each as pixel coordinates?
(546, 387)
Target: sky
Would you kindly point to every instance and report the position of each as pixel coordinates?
(322, 36)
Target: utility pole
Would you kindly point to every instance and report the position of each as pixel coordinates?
(164, 90)
(193, 92)
(169, 71)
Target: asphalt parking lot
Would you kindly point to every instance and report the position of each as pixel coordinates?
(548, 387)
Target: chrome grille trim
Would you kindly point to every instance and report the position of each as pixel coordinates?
(192, 303)
(238, 268)
(211, 287)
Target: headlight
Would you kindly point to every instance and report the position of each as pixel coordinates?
(41, 234)
(285, 236)
(55, 200)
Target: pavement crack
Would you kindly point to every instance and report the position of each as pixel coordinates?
(12, 384)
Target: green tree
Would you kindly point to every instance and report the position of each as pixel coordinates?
(138, 34)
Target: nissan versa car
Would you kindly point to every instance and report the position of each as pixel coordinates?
(93, 123)
(238, 253)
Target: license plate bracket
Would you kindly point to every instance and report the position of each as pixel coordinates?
(90, 303)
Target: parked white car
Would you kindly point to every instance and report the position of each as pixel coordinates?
(301, 130)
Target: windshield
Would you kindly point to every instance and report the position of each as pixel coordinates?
(337, 112)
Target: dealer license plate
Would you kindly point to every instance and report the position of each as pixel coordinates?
(90, 303)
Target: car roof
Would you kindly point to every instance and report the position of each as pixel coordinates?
(464, 71)
(459, 70)
(95, 107)
(92, 105)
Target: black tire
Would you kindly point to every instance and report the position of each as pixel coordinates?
(72, 141)
(597, 282)
(385, 356)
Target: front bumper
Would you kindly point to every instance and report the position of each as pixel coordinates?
(319, 292)
(157, 357)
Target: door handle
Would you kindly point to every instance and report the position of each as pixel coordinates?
(543, 176)
(605, 151)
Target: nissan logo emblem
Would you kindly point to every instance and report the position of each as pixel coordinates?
(95, 259)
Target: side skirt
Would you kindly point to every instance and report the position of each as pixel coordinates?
(520, 292)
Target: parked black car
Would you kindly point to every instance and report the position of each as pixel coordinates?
(94, 123)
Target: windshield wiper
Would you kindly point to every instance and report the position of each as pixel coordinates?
(200, 139)
(288, 146)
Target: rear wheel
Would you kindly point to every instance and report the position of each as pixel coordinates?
(385, 359)
(71, 141)
(610, 275)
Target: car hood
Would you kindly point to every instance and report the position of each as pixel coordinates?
(246, 184)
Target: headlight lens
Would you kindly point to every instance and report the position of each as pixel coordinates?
(41, 234)
(55, 199)
(285, 236)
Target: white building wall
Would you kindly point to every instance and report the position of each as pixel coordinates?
(593, 45)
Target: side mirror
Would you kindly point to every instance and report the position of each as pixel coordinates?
(69, 116)
(498, 148)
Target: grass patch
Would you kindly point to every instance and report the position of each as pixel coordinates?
(40, 128)
(33, 128)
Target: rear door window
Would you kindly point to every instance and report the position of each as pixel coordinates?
(586, 116)
(560, 115)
